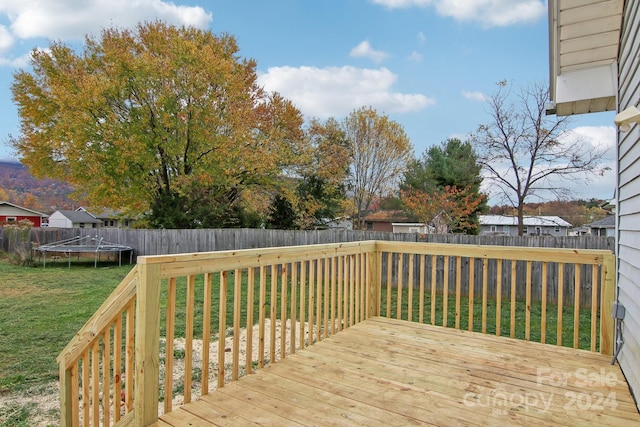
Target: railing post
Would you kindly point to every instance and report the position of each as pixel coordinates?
(147, 344)
(66, 418)
(373, 283)
(607, 333)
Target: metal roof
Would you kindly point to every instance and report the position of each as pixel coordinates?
(584, 38)
(533, 221)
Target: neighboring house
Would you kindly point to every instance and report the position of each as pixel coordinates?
(79, 218)
(394, 221)
(595, 66)
(409, 227)
(532, 225)
(603, 227)
(12, 214)
(114, 219)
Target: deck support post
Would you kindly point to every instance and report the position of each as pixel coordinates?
(147, 344)
(607, 297)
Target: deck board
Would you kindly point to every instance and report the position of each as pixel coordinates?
(396, 373)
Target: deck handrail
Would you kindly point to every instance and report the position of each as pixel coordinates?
(324, 288)
(109, 315)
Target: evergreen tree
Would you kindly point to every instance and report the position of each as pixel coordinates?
(451, 164)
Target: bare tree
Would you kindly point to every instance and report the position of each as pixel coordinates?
(523, 152)
(380, 150)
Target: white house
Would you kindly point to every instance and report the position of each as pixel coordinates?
(73, 219)
(595, 66)
(532, 225)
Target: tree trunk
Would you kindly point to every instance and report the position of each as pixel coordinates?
(520, 219)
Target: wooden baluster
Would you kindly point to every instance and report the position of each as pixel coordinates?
(188, 337)
(472, 273)
(498, 295)
(222, 327)
(543, 305)
(559, 327)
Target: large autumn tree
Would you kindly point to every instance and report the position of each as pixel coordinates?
(319, 195)
(161, 119)
(379, 151)
(453, 164)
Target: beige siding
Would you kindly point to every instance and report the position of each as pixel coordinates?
(629, 198)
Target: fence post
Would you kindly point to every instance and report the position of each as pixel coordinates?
(147, 344)
(607, 333)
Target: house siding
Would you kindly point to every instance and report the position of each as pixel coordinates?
(58, 220)
(629, 198)
(35, 220)
(10, 211)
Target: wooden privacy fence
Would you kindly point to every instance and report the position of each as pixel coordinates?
(262, 304)
(162, 242)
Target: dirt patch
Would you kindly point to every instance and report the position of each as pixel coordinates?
(36, 406)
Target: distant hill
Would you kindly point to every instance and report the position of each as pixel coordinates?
(18, 183)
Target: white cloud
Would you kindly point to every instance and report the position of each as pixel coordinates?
(19, 62)
(364, 50)
(600, 186)
(336, 91)
(489, 13)
(415, 57)
(72, 19)
(474, 96)
(6, 39)
(421, 38)
(601, 138)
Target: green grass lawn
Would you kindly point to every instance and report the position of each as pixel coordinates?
(41, 309)
(584, 328)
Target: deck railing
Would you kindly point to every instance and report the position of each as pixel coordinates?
(262, 304)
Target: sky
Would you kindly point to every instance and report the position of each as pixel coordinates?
(427, 64)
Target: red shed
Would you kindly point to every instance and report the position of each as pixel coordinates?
(10, 213)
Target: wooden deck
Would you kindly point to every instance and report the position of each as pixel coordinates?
(389, 372)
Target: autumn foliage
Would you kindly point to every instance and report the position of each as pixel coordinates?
(161, 119)
(447, 210)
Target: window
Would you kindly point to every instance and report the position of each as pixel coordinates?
(126, 222)
(525, 230)
(557, 229)
(538, 231)
(11, 219)
(494, 228)
(505, 229)
(81, 225)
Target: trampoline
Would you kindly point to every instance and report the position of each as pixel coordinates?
(84, 245)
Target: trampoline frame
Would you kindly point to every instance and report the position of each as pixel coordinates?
(87, 244)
